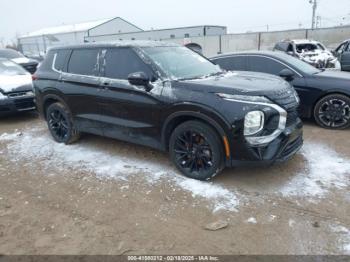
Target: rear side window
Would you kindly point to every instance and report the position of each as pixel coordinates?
(265, 65)
(282, 46)
(234, 63)
(84, 62)
(61, 58)
(120, 62)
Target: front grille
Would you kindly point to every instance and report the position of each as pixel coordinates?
(18, 94)
(292, 117)
(287, 100)
(297, 143)
(31, 68)
(23, 104)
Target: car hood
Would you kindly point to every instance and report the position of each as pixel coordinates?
(244, 83)
(15, 83)
(24, 61)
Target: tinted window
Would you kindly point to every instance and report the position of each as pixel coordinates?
(264, 65)
(84, 62)
(120, 62)
(61, 58)
(235, 63)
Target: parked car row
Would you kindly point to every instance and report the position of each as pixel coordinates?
(28, 64)
(325, 95)
(237, 109)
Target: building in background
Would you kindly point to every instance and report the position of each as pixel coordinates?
(37, 43)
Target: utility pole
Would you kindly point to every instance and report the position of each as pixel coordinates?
(314, 8)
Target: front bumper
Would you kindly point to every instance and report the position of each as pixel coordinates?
(16, 104)
(285, 146)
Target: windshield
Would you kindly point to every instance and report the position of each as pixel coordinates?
(300, 65)
(10, 54)
(181, 62)
(9, 68)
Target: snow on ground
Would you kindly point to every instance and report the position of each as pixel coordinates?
(345, 239)
(29, 146)
(325, 169)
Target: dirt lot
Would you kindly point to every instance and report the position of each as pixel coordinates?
(102, 196)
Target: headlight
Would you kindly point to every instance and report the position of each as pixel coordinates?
(244, 98)
(253, 122)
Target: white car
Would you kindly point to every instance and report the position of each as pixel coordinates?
(309, 51)
(16, 88)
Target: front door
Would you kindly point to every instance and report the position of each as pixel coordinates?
(129, 112)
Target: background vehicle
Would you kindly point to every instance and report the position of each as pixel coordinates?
(171, 98)
(342, 52)
(309, 51)
(16, 88)
(28, 64)
(325, 95)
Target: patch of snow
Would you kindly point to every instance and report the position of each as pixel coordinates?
(8, 137)
(9, 83)
(67, 28)
(291, 222)
(325, 169)
(32, 147)
(345, 238)
(21, 60)
(252, 220)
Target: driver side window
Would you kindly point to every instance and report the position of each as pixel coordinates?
(265, 65)
(120, 62)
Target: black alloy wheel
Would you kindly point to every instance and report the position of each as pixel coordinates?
(196, 150)
(333, 112)
(60, 124)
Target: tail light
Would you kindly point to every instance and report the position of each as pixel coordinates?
(34, 77)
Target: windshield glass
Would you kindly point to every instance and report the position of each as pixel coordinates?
(181, 63)
(9, 68)
(10, 54)
(300, 65)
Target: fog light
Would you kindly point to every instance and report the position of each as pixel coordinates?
(253, 122)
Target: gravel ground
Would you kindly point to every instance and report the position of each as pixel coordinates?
(102, 196)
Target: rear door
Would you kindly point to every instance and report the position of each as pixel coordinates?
(81, 86)
(232, 63)
(129, 112)
(345, 58)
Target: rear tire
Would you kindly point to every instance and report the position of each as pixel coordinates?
(333, 112)
(196, 150)
(60, 124)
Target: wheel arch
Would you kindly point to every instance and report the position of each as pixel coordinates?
(178, 118)
(50, 99)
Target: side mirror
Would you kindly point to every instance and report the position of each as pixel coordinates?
(140, 79)
(287, 74)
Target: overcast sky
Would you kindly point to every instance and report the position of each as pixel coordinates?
(21, 16)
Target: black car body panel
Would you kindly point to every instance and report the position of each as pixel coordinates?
(114, 108)
(310, 86)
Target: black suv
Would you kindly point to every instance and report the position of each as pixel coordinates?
(170, 98)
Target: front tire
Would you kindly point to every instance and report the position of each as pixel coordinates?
(60, 124)
(333, 112)
(196, 150)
